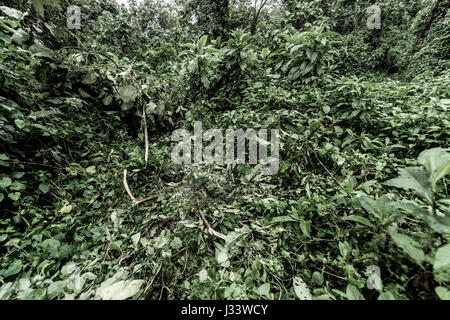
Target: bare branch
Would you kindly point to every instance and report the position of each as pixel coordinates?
(145, 136)
(135, 201)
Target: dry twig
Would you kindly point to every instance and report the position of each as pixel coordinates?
(211, 230)
(135, 201)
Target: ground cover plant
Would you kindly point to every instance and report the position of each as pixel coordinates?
(92, 205)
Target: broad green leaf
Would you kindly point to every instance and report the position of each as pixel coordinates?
(20, 123)
(189, 45)
(205, 81)
(360, 220)
(386, 296)
(18, 175)
(433, 159)
(410, 246)
(44, 188)
(20, 36)
(51, 245)
(68, 268)
(294, 73)
(329, 34)
(264, 290)
(11, 12)
(90, 170)
(55, 289)
(203, 275)
(17, 186)
(284, 219)
(312, 56)
(135, 238)
(89, 78)
(192, 66)
(8, 105)
(442, 259)
(413, 178)
(39, 7)
(202, 42)
(84, 93)
(305, 227)
(120, 290)
(366, 202)
(151, 108)
(353, 293)
(66, 209)
(75, 283)
(38, 294)
(307, 68)
(14, 196)
(107, 100)
(5, 38)
(13, 269)
(438, 224)
(443, 293)
(5, 182)
(6, 290)
(440, 172)
(344, 249)
(317, 278)
(128, 93)
(127, 106)
(412, 208)
(222, 256)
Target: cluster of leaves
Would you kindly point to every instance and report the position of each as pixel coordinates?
(304, 53)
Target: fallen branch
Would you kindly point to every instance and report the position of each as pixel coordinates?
(135, 201)
(88, 51)
(211, 230)
(145, 136)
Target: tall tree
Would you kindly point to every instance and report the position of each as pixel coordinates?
(258, 6)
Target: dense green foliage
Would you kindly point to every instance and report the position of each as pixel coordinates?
(364, 162)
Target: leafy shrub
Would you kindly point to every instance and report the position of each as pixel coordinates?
(306, 53)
